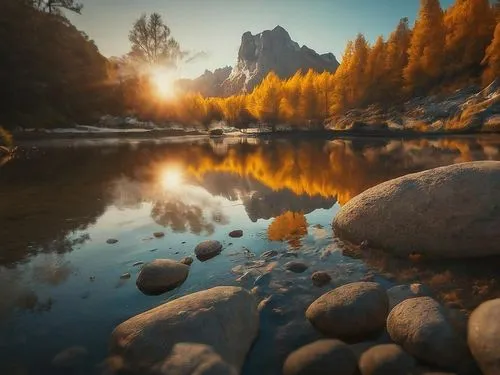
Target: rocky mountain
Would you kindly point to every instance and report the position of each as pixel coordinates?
(208, 84)
(271, 50)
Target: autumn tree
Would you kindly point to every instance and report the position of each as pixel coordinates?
(492, 59)
(343, 81)
(469, 30)
(396, 59)
(426, 52)
(151, 41)
(308, 101)
(325, 84)
(359, 79)
(376, 72)
(265, 100)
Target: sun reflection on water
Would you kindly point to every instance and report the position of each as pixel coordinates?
(171, 178)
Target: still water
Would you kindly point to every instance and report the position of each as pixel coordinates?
(61, 201)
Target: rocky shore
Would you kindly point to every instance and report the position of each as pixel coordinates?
(363, 327)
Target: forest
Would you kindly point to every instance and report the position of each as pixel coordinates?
(53, 74)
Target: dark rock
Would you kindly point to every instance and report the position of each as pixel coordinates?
(352, 311)
(224, 318)
(70, 357)
(430, 220)
(236, 233)
(207, 249)
(111, 241)
(161, 275)
(297, 267)
(323, 357)
(320, 278)
(187, 261)
(422, 327)
(386, 359)
(159, 234)
(399, 293)
(484, 336)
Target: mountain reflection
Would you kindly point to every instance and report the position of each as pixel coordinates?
(50, 195)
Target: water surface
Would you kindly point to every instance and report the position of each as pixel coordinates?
(61, 201)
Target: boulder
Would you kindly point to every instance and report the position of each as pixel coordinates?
(207, 249)
(320, 278)
(194, 359)
(351, 311)
(484, 336)
(399, 293)
(224, 318)
(187, 261)
(422, 327)
(297, 267)
(447, 212)
(161, 275)
(236, 233)
(322, 357)
(386, 359)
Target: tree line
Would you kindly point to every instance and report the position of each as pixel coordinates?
(53, 74)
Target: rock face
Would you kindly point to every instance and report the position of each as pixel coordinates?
(224, 318)
(207, 249)
(421, 326)
(273, 50)
(161, 275)
(386, 359)
(322, 357)
(208, 84)
(446, 212)
(351, 311)
(484, 336)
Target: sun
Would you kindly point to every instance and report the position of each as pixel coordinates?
(163, 82)
(171, 178)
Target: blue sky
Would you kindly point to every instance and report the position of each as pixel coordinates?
(216, 26)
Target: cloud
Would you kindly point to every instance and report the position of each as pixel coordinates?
(201, 55)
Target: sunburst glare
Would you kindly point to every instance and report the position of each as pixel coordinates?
(171, 178)
(162, 80)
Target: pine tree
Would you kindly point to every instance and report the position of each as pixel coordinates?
(492, 59)
(376, 72)
(426, 52)
(397, 59)
(469, 30)
(308, 103)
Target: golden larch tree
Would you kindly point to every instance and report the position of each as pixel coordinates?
(492, 59)
(426, 52)
(397, 59)
(469, 30)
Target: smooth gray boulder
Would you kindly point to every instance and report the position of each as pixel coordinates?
(207, 250)
(161, 275)
(447, 212)
(224, 318)
(322, 357)
(352, 311)
(399, 293)
(423, 328)
(484, 336)
(386, 359)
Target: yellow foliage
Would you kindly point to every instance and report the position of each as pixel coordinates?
(6, 138)
(290, 226)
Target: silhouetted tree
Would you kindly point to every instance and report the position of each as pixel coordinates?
(151, 41)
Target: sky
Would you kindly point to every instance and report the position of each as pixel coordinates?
(212, 29)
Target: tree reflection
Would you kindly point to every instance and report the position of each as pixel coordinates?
(290, 227)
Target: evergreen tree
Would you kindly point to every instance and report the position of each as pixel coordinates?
(426, 52)
(469, 30)
(492, 59)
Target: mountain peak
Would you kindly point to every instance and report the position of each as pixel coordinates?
(273, 50)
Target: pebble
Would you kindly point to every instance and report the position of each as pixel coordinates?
(111, 241)
(187, 261)
(297, 267)
(159, 234)
(236, 233)
(320, 278)
(125, 276)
